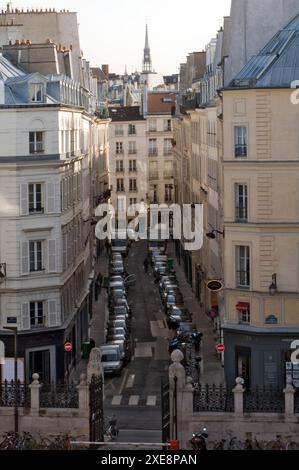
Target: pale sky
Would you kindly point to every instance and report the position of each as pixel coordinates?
(113, 31)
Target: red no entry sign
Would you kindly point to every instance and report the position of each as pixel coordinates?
(68, 347)
(220, 348)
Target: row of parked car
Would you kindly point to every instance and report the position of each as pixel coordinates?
(178, 317)
(116, 353)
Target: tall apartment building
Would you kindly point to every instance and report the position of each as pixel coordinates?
(159, 109)
(51, 147)
(261, 172)
(128, 156)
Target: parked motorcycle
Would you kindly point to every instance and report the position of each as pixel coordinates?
(198, 441)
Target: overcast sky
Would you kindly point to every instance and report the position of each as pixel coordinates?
(113, 31)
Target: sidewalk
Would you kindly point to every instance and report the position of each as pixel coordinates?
(99, 317)
(212, 371)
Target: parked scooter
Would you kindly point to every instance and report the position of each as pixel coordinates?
(198, 441)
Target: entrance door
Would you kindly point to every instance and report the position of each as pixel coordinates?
(243, 365)
(40, 363)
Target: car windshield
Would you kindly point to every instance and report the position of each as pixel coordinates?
(110, 357)
(119, 243)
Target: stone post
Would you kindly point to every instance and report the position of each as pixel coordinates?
(177, 382)
(35, 387)
(238, 392)
(94, 366)
(289, 393)
(83, 391)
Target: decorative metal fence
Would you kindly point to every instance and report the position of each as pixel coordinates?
(7, 394)
(297, 402)
(59, 396)
(214, 398)
(268, 399)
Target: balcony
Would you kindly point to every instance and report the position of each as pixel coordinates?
(153, 152)
(167, 152)
(2, 272)
(133, 170)
(154, 175)
(36, 210)
(119, 152)
(168, 174)
(241, 151)
(241, 215)
(132, 151)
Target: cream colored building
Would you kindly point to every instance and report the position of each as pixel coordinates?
(128, 160)
(261, 216)
(159, 109)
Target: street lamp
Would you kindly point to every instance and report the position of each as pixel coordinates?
(14, 329)
(273, 286)
(212, 234)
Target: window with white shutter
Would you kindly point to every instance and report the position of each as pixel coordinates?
(51, 198)
(52, 256)
(25, 317)
(53, 314)
(24, 207)
(24, 258)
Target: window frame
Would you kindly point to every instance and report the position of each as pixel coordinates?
(35, 142)
(35, 209)
(37, 317)
(244, 144)
(37, 256)
(246, 271)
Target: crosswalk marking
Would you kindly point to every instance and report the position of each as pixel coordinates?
(134, 400)
(116, 400)
(151, 400)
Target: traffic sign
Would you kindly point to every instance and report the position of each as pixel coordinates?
(220, 348)
(214, 286)
(68, 347)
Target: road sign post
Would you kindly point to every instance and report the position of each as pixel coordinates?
(220, 348)
(68, 347)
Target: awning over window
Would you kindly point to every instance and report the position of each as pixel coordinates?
(243, 306)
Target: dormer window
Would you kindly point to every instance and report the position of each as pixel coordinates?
(37, 92)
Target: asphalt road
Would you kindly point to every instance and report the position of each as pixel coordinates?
(135, 397)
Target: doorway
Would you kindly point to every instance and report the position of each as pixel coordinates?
(40, 363)
(243, 365)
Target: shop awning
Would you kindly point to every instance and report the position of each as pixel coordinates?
(243, 306)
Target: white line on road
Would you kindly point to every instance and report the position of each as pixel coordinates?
(130, 381)
(116, 400)
(134, 400)
(151, 400)
(123, 382)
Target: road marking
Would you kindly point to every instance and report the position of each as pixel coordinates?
(130, 381)
(143, 350)
(116, 400)
(110, 385)
(151, 400)
(123, 382)
(134, 400)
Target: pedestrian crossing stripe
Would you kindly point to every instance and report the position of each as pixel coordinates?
(132, 400)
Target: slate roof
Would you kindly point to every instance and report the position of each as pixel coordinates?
(125, 113)
(276, 65)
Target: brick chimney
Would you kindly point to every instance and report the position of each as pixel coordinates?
(105, 68)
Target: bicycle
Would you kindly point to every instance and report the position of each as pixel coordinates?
(276, 445)
(111, 430)
(234, 444)
(220, 445)
(292, 446)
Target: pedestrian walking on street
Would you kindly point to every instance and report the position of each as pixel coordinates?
(145, 265)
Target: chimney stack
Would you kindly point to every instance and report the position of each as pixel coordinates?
(105, 68)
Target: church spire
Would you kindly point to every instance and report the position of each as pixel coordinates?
(147, 61)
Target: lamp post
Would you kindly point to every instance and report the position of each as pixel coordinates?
(14, 329)
(175, 409)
